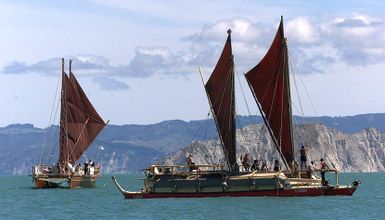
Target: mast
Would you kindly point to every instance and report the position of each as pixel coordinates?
(233, 115)
(63, 159)
(288, 92)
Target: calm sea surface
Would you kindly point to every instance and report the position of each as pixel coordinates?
(18, 200)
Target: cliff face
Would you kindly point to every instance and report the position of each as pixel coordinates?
(130, 148)
(363, 151)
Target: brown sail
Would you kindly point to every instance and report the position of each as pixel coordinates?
(269, 81)
(80, 123)
(220, 91)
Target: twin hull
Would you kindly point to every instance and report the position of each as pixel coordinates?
(217, 185)
(70, 182)
(47, 176)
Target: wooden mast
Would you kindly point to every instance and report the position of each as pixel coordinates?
(234, 115)
(287, 81)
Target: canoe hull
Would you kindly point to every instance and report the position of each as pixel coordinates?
(283, 192)
(345, 191)
(65, 182)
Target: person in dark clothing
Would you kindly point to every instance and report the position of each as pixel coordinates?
(303, 158)
(86, 164)
(276, 165)
(255, 166)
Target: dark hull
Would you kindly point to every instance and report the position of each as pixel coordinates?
(285, 192)
(272, 193)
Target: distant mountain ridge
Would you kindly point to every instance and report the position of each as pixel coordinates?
(129, 148)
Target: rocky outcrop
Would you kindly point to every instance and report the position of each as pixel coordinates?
(363, 151)
(130, 148)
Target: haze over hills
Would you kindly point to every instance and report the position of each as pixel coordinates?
(129, 148)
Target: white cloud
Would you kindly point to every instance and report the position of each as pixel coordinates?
(356, 40)
(110, 84)
(301, 30)
(360, 39)
(144, 45)
(82, 64)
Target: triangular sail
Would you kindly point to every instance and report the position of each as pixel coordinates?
(80, 123)
(220, 91)
(269, 81)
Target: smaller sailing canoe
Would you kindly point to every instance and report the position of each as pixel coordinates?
(79, 126)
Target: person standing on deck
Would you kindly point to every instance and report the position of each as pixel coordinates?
(86, 167)
(276, 165)
(245, 162)
(323, 167)
(189, 162)
(297, 173)
(264, 167)
(255, 166)
(303, 153)
(310, 170)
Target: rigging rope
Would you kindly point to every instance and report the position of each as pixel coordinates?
(242, 132)
(300, 110)
(54, 135)
(52, 117)
(213, 113)
(335, 155)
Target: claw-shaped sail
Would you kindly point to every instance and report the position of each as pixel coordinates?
(269, 81)
(220, 91)
(79, 121)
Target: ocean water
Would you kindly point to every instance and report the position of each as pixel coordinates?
(18, 200)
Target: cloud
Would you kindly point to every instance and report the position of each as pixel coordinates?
(110, 84)
(250, 41)
(85, 64)
(360, 39)
(152, 60)
(302, 31)
(15, 68)
(146, 62)
(355, 40)
(316, 64)
(314, 43)
(242, 29)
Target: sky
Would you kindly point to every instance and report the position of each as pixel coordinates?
(138, 60)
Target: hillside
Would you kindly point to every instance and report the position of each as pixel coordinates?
(129, 148)
(363, 151)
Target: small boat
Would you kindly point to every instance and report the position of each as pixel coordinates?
(269, 83)
(79, 126)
